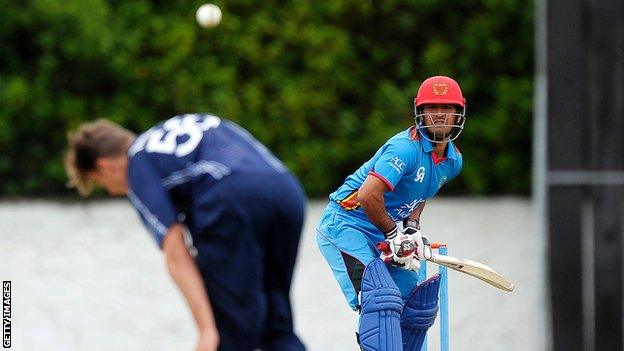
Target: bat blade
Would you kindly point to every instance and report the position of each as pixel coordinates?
(475, 269)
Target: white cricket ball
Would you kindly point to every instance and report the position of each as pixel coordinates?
(208, 15)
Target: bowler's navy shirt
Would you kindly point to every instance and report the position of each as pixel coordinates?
(173, 166)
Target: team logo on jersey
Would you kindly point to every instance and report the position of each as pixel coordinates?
(440, 88)
(397, 164)
(443, 181)
(420, 175)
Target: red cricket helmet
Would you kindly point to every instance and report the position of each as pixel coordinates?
(439, 90)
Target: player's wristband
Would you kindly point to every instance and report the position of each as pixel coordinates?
(411, 222)
(391, 233)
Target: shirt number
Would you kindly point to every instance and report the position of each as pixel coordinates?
(164, 140)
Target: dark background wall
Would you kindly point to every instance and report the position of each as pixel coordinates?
(585, 171)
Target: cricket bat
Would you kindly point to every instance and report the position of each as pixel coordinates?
(473, 268)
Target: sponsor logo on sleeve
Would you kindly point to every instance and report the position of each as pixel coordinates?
(397, 164)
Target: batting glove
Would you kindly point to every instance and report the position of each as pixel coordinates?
(399, 249)
(423, 248)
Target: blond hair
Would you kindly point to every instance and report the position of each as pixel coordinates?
(92, 140)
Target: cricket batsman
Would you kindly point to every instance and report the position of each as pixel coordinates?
(226, 212)
(369, 233)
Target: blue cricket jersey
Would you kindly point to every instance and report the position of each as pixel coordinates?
(173, 166)
(409, 167)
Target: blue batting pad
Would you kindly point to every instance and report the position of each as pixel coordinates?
(380, 325)
(419, 313)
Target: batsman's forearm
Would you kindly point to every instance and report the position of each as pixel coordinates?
(184, 272)
(375, 209)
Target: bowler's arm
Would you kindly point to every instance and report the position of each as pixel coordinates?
(184, 272)
(371, 198)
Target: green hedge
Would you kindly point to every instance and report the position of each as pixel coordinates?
(322, 83)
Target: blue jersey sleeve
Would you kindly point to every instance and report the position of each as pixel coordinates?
(459, 164)
(150, 199)
(397, 158)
